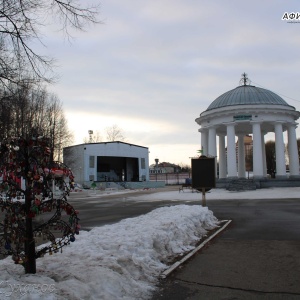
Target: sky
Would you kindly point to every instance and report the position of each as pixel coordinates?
(124, 260)
(151, 67)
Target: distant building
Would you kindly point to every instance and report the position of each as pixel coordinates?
(109, 161)
(164, 167)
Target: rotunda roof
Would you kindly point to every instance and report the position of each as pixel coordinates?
(247, 95)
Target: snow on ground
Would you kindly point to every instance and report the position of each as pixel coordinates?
(120, 261)
(123, 260)
(214, 194)
(222, 194)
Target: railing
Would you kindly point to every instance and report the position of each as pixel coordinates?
(171, 178)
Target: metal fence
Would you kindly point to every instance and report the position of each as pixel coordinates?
(171, 178)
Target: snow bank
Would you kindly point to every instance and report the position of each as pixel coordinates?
(119, 261)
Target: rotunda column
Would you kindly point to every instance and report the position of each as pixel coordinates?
(279, 149)
(293, 151)
(212, 145)
(204, 141)
(231, 153)
(241, 157)
(257, 151)
(222, 157)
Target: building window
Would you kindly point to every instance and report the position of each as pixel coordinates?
(143, 164)
(92, 161)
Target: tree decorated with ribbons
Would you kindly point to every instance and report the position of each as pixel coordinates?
(35, 216)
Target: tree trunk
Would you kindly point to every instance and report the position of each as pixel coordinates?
(30, 264)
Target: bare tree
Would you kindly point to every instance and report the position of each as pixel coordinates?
(55, 127)
(114, 133)
(271, 158)
(20, 21)
(27, 108)
(64, 137)
(184, 167)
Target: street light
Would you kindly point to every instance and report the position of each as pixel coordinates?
(91, 135)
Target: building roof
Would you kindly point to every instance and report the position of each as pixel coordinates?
(247, 95)
(105, 143)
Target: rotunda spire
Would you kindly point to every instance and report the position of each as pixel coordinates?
(245, 80)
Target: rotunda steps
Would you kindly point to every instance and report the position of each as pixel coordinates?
(241, 184)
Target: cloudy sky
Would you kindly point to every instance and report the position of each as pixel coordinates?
(152, 67)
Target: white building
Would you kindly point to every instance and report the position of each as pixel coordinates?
(249, 110)
(108, 161)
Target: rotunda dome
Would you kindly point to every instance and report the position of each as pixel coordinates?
(247, 95)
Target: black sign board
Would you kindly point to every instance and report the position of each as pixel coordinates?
(203, 172)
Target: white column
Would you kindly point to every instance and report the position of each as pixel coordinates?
(257, 151)
(231, 153)
(293, 150)
(212, 145)
(279, 148)
(204, 141)
(222, 157)
(241, 157)
(263, 146)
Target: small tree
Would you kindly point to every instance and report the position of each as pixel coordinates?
(298, 147)
(33, 201)
(184, 167)
(114, 133)
(249, 160)
(271, 158)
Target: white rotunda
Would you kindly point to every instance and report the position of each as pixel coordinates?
(249, 110)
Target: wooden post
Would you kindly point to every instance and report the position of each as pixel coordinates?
(203, 197)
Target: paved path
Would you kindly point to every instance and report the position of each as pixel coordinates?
(111, 208)
(257, 257)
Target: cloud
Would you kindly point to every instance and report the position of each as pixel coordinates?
(153, 66)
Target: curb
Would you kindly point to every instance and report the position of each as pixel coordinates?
(190, 254)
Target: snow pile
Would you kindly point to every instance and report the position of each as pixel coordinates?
(119, 261)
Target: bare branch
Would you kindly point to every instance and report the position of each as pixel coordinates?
(20, 21)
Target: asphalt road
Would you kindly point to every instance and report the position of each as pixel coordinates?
(257, 257)
(97, 211)
(279, 218)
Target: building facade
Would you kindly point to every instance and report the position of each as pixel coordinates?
(109, 161)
